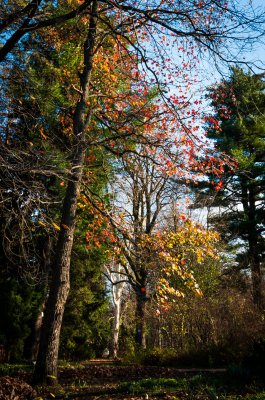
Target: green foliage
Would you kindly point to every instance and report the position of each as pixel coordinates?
(239, 105)
(199, 386)
(86, 324)
(257, 396)
(157, 356)
(12, 369)
(238, 130)
(207, 357)
(20, 303)
(42, 98)
(127, 345)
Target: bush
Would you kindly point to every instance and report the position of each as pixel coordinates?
(152, 356)
(200, 358)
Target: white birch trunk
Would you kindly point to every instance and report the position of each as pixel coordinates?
(118, 283)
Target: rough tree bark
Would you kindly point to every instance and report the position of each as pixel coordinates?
(140, 326)
(46, 264)
(46, 365)
(140, 334)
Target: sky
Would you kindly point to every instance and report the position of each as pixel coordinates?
(255, 55)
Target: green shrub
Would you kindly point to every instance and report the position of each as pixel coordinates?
(257, 396)
(151, 357)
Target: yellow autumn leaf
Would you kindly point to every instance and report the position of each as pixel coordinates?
(198, 292)
(56, 226)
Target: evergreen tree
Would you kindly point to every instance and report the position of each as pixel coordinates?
(85, 329)
(35, 145)
(20, 303)
(238, 129)
(86, 323)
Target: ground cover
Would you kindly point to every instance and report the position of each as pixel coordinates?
(112, 380)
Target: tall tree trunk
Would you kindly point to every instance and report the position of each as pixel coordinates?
(117, 290)
(255, 274)
(34, 348)
(116, 329)
(249, 205)
(254, 255)
(140, 333)
(32, 343)
(46, 366)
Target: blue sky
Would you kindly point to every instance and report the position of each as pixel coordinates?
(255, 55)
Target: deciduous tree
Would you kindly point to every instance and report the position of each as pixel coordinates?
(143, 36)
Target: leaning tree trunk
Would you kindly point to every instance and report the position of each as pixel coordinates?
(46, 365)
